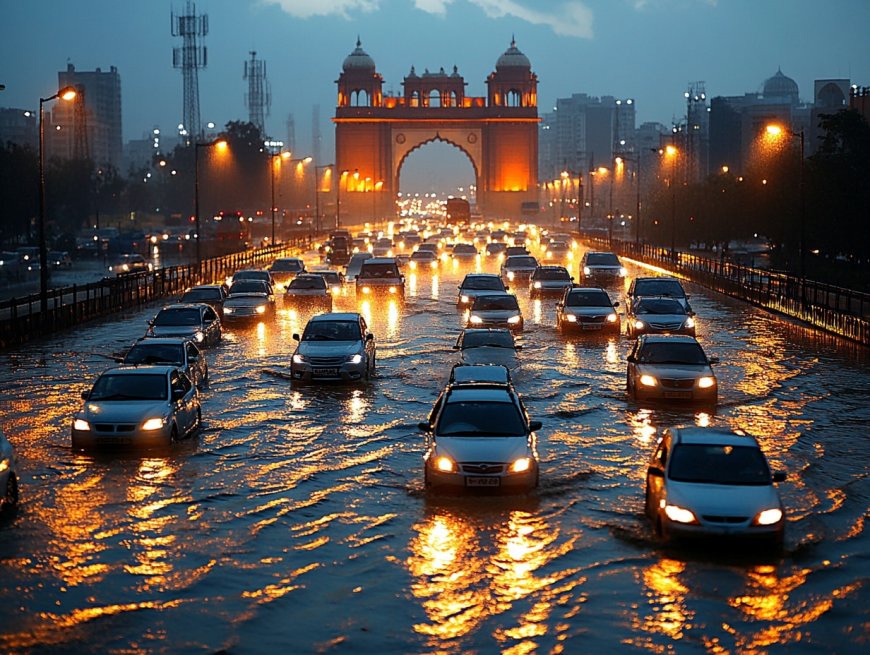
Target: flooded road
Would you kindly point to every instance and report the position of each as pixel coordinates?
(296, 522)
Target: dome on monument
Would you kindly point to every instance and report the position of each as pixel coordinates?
(358, 60)
(780, 86)
(513, 58)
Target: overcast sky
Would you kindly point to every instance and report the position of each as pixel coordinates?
(649, 50)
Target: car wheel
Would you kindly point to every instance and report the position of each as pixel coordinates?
(632, 391)
(647, 504)
(198, 424)
(173, 435)
(661, 534)
(10, 498)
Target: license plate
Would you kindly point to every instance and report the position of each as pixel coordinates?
(482, 482)
(325, 372)
(591, 326)
(678, 394)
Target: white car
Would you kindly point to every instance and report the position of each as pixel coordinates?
(671, 368)
(334, 346)
(711, 482)
(173, 351)
(308, 289)
(137, 406)
(8, 477)
(496, 310)
(587, 309)
(478, 284)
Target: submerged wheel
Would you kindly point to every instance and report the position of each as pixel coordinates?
(173, 435)
(10, 498)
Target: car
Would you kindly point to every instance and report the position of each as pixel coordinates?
(141, 406)
(495, 248)
(380, 276)
(285, 269)
(478, 284)
(59, 259)
(496, 310)
(670, 368)
(464, 373)
(479, 436)
(334, 347)
(249, 300)
(713, 482)
(665, 315)
(355, 264)
(557, 250)
(180, 352)
(510, 251)
(308, 289)
(130, 263)
(383, 247)
(252, 274)
(587, 309)
(518, 267)
(210, 294)
(601, 266)
(549, 281)
(9, 494)
(464, 251)
(487, 346)
(196, 321)
(338, 250)
(334, 280)
(12, 266)
(658, 286)
(431, 246)
(423, 259)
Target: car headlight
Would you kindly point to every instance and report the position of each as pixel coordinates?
(154, 423)
(706, 382)
(393, 289)
(81, 424)
(611, 318)
(639, 325)
(4, 465)
(622, 271)
(445, 464)
(521, 465)
(228, 310)
(570, 318)
(648, 380)
(199, 336)
(679, 514)
(413, 264)
(464, 298)
(510, 275)
(513, 320)
(690, 322)
(261, 309)
(476, 320)
(587, 270)
(366, 289)
(537, 285)
(335, 289)
(768, 517)
(298, 359)
(433, 263)
(355, 359)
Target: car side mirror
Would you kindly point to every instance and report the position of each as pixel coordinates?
(85, 395)
(507, 288)
(295, 337)
(535, 425)
(572, 278)
(518, 347)
(456, 347)
(616, 304)
(560, 305)
(631, 358)
(779, 476)
(655, 471)
(424, 426)
(713, 360)
(370, 337)
(690, 313)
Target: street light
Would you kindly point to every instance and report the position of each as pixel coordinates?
(276, 161)
(342, 178)
(67, 93)
(672, 152)
(776, 131)
(319, 227)
(619, 160)
(220, 144)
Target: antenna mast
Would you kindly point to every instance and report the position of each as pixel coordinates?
(190, 57)
(259, 96)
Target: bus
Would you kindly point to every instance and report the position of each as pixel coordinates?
(458, 211)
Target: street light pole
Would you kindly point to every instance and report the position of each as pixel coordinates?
(196, 146)
(66, 93)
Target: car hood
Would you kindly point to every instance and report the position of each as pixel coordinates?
(589, 311)
(306, 292)
(495, 314)
(723, 499)
(661, 318)
(489, 355)
(123, 411)
(675, 370)
(175, 330)
(246, 300)
(483, 449)
(329, 348)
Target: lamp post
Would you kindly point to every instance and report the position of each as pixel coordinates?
(276, 161)
(66, 93)
(341, 178)
(220, 144)
(318, 227)
(636, 162)
(776, 130)
(672, 152)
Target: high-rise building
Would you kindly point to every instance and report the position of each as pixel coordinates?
(19, 126)
(90, 125)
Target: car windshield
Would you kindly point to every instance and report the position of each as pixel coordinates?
(248, 286)
(201, 295)
(314, 282)
(155, 353)
(495, 302)
(602, 259)
(423, 254)
(332, 331)
(331, 277)
(552, 274)
(464, 248)
(483, 283)
(498, 339)
(521, 262)
(287, 266)
(719, 464)
(671, 288)
(379, 270)
(130, 387)
(659, 306)
(480, 419)
(186, 316)
(588, 299)
(251, 275)
(672, 353)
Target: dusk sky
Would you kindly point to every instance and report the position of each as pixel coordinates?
(645, 49)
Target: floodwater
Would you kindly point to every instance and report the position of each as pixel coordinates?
(296, 522)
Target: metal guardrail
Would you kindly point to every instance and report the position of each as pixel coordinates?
(21, 319)
(837, 310)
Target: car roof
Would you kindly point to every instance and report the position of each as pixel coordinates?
(335, 316)
(163, 369)
(288, 259)
(209, 287)
(585, 289)
(381, 260)
(464, 374)
(712, 435)
(601, 252)
(551, 267)
(185, 305)
(493, 275)
(667, 338)
(658, 277)
(163, 341)
(498, 393)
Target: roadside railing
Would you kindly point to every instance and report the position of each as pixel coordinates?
(841, 311)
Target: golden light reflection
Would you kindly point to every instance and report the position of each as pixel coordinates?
(412, 285)
(611, 353)
(537, 311)
(642, 427)
(365, 308)
(356, 406)
(435, 287)
(702, 419)
(667, 600)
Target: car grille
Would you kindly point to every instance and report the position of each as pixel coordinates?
(724, 519)
(678, 383)
(326, 361)
(591, 319)
(482, 467)
(114, 427)
(666, 326)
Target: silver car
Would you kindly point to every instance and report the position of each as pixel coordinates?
(308, 289)
(478, 284)
(602, 266)
(587, 309)
(335, 346)
(488, 346)
(196, 321)
(139, 406)
(496, 310)
(549, 281)
(249, 300)
(713, 482)
(173, 351)
(8, 477)
(670, 368)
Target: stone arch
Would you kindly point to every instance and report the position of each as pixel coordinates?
(360, 98)
(416, 139)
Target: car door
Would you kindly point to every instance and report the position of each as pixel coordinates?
(655, 475)
(188, 402)
(212, 325)
(369, 344)
(195, 364)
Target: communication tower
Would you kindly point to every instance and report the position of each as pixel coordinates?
(190, 57)
(259, 96)
(697, 131)
(291, 133)
(316, 138)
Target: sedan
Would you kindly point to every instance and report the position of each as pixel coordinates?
(478, 284)
(496, 310)
(659, 316)
(602, 266)
(464, 251)
(308, 289)
(285, 269)
(587, 309)
(8, 477)
(210, 294)
(549, 281)
(196, 321)
(174, 351)
(130, 263)
(488, 346)
(519, 267)
(335, 346)
(670, 367)
(423, 259)
(712, 482)
(142, 406)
